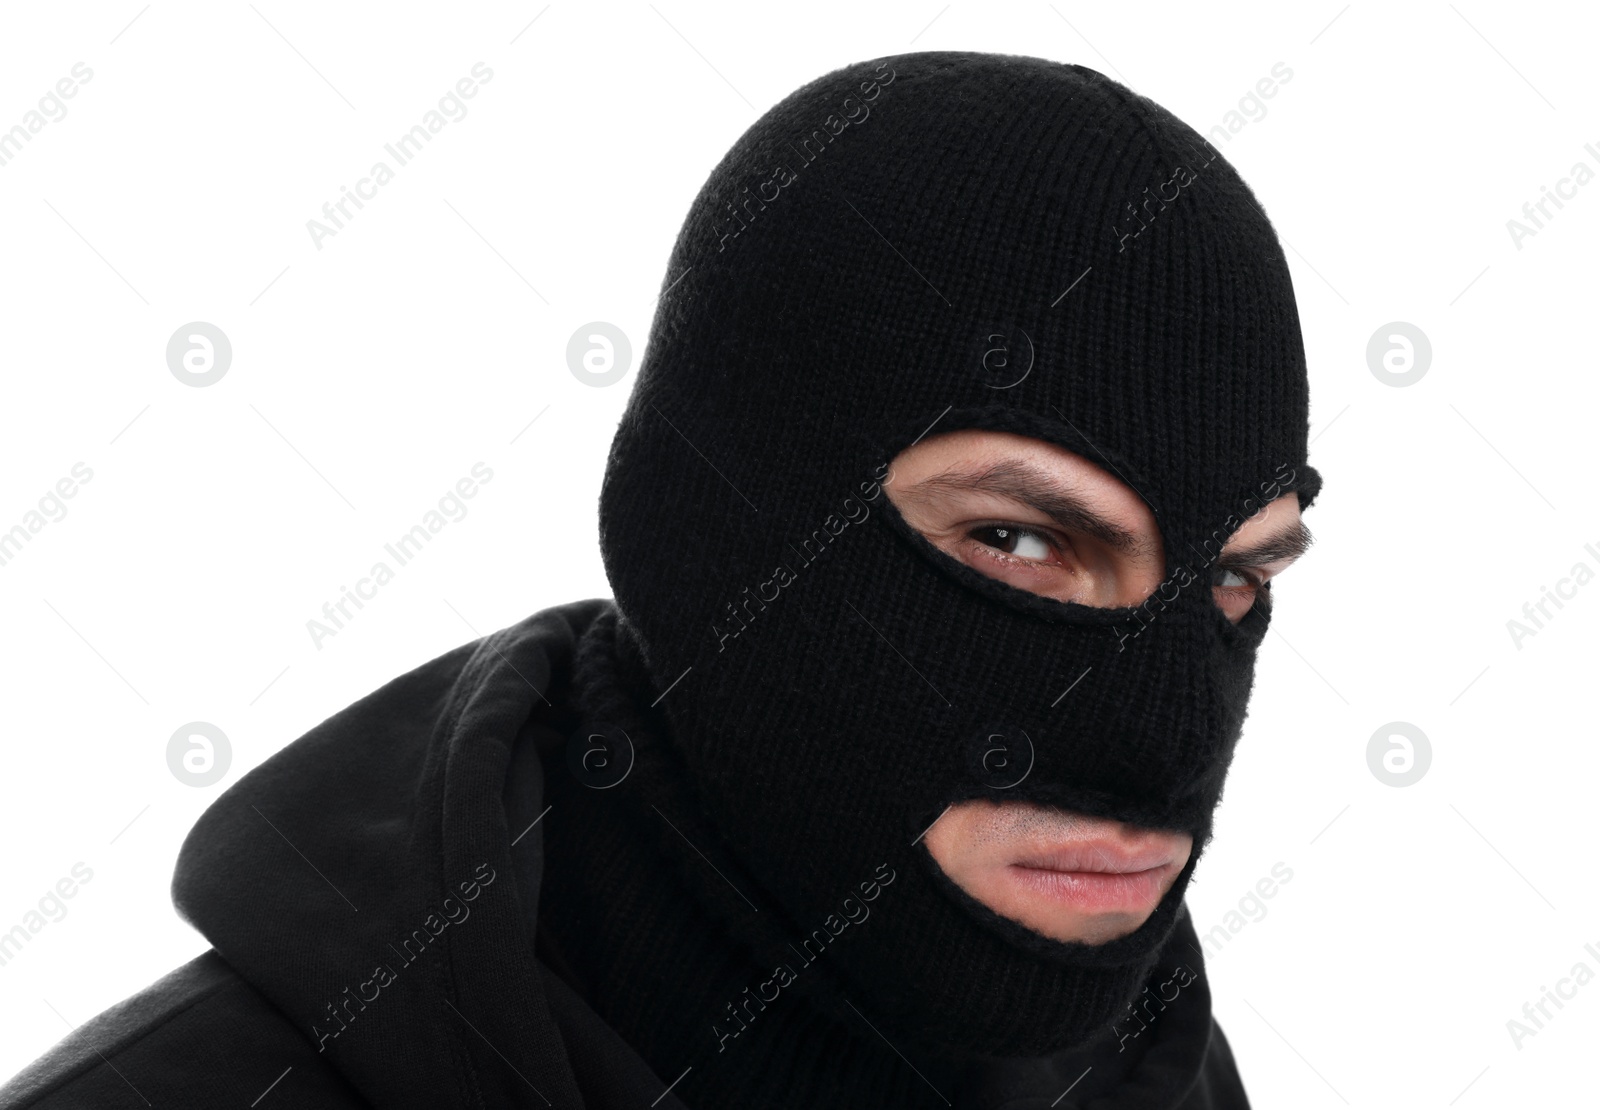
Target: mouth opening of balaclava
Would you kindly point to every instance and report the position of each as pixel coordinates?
(832, 681)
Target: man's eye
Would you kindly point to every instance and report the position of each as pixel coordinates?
(1024, 543)
(1228, 578)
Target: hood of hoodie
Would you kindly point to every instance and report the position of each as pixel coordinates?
(361, 878)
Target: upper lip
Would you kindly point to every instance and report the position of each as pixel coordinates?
(1101, 854)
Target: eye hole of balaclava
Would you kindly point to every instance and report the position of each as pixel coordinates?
(1037, 518)
(1101, 548)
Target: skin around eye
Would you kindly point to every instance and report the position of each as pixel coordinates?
(1038, 560)
(1035, 559)
(1027, 557)
(1236, 589)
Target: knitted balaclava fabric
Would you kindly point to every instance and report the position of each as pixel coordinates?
(901, 248)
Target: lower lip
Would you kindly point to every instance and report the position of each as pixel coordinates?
(1096, 891)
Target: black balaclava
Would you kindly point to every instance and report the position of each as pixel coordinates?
(902, 248)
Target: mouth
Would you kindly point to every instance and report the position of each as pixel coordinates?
(1068, 875)
(1098, 875)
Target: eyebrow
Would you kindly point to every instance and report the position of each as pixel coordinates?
(1290, 544)
(1038, 488)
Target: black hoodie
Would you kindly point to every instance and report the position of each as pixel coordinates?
(372, 907)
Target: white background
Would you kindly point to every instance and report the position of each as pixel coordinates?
(370, 375)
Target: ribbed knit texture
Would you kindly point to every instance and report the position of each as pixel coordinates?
(821, 670)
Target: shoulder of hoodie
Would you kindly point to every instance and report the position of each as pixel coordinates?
(200, 1036)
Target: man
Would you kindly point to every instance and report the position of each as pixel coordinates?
(970, 433)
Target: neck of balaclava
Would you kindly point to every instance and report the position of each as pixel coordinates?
(647, 917)
(629, 913)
